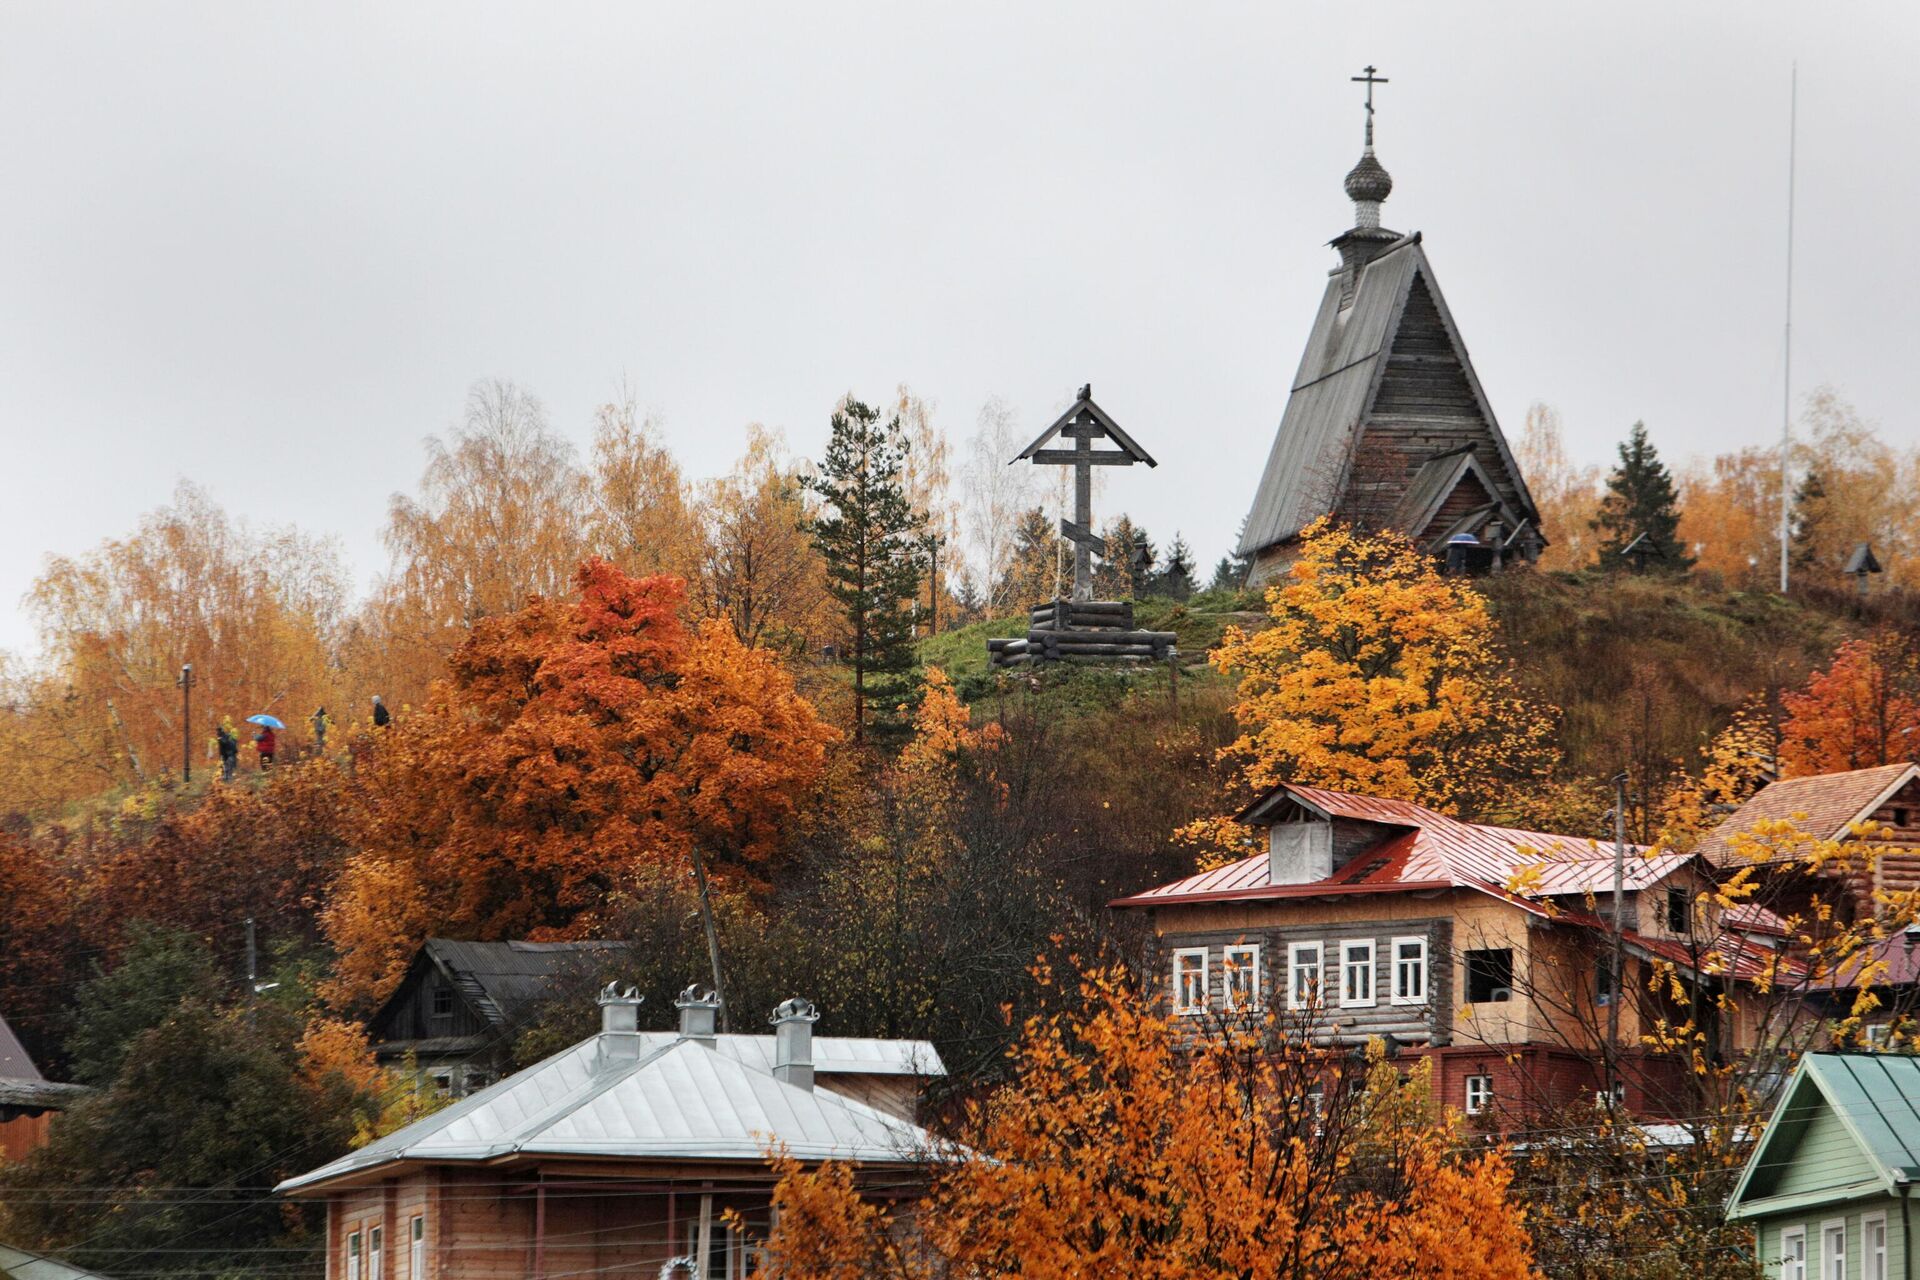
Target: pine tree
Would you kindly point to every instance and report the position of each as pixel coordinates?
(1811, 516)
(1641, 501)
(1175, 579)
(873, 543)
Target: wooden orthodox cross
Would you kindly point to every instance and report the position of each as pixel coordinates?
(1083, 424)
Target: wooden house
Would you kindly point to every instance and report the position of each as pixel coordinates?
(1386, 425)
(1828, 1185)
(28, 1100)
(632, 1154)
(455, 1013)
(1486, 948)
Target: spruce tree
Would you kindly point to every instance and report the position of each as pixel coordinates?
(872, 541)
(1232, 571)
(1175, 579)
(1641, 501)
(1811, 517)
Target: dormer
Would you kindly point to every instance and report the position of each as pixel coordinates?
(1307, 843)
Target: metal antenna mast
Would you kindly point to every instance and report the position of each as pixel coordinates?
(1786, 377)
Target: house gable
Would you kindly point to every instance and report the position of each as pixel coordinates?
(1848, 1127)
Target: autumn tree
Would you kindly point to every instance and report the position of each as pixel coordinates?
(1125, 571)
(253, 612)
(641, 516)
(1125, 1145)
(571, 742)
(1032, 572)
(997, 499)
(1378, 674)
(501, 516)
(1566, 493)
(1641, 502)
(759, 569)
(870, 537)
(1860, 712)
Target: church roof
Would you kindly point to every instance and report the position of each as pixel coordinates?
(1334, 393)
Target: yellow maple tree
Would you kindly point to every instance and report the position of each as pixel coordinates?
(1378, 674)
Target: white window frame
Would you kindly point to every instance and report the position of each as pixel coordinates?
(1791, 1236)
(1296, 998)
(376, 1246)
(1240, 959)
(1873, 1254)
(417, 1247)
(1419, 996)
(353, 1255)
(1481, 1098)
(1833, 1264)
(1371, 998)
(1180, 957)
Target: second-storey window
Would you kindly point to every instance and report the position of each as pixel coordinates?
(1303, 975)
(1356, 973)
(1240, 978)
(1190, 980)
(1409, 970)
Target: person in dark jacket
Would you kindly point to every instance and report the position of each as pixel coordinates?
(321, 721)
(229, 744)
(264, 742)
(381, 716)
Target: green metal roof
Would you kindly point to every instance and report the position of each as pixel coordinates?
(18, 1264)
(1876, 1098)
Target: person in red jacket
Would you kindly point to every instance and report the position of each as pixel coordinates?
(264, 743)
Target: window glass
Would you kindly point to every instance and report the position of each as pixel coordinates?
(1190, 980)
(1679, 911)
(442, 1001)
(1793, 1254)
(1873, 1248)
(1833, 1251)
(1479, 1094)
(1409, 970)
(375, 1248)
(417, 1249)
(1489, 975)
(1303, 974)
(1240, 977)
(353, 1256)
(1356, 973)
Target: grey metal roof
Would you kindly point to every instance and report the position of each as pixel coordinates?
(642, 1096)
(45, 1095)
(1333, 389)
(18, 1264)
(832, 1055)
(15, 1062)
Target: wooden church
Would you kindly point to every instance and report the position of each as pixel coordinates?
(1387, 426)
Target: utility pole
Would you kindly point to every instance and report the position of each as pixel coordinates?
(186, 722)
(1619, 938)
(933, 584)
(1786, 376)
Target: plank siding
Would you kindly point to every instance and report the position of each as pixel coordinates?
(1826, 1157)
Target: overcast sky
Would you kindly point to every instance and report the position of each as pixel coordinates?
(268, 247)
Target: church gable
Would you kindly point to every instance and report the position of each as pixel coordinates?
(1424, 408)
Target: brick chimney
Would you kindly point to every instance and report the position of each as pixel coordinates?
(620, 1023)
(793, 1041)
(699, 1013)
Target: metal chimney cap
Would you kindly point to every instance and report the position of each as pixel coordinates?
(612, 994)
(697, 996)
(795, 1010)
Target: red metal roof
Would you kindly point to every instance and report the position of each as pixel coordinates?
(1435, 852)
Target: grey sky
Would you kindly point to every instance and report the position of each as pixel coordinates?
(267, 247)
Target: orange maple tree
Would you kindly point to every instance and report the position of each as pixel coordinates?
(1126, 1146)
(1860, 712)
(571, 743)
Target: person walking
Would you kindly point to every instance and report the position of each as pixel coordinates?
(264, 742)
(320, 722)
(229, 743)
(381, 716)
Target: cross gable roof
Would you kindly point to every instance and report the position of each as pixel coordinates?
(1824, 805)
(497, 978)
(1876, 1099)
(1083, 405)
(1333, 393)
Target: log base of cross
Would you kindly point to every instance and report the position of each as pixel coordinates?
(1082, 631)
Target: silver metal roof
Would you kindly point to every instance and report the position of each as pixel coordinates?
(832, 1055)
(640, 1095)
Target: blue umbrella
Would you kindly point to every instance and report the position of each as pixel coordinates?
(265, 722)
